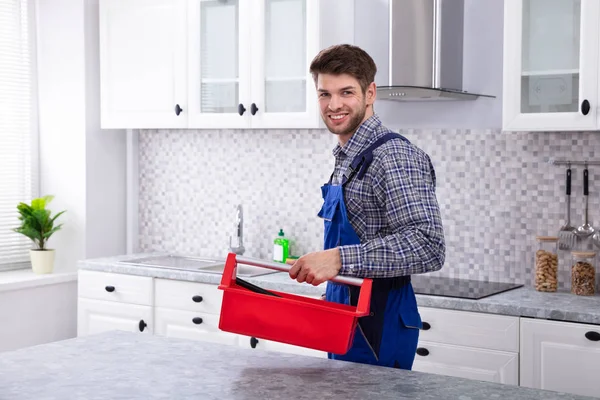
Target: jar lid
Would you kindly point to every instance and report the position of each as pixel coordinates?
(546, 238)
(583, 253)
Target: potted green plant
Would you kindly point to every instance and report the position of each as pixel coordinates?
(38, 225)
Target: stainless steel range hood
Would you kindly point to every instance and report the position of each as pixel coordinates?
(425, 51)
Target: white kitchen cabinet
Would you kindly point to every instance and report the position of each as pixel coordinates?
(560, 356)
(95, 316)
(210, 63)
(142, 63)
(191, 325)
(263, 344)
(467, 362)
(108, 301)
(551, 65)
(469, 345)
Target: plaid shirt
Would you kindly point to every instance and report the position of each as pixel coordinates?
(393, 209)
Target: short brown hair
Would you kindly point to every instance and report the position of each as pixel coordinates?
(345, 59)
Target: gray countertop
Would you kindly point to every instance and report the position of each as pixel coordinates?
(121, 365)
(523, 301)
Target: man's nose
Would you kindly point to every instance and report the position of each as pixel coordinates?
(335, 103)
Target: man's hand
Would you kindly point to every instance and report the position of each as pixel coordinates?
(318, 267)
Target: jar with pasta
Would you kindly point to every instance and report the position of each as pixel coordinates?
(583, 273)
(546, 264)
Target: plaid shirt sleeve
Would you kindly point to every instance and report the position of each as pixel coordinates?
(410, 237)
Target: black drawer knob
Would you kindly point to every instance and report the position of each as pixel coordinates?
(197, 320)
(241, 109)
(426, 326)
(593, 336)
(197, 299)
(110, 289)
(422, 351)
(585, 107)
(142, 325)
(178, 109)
(253, 342)
(253, 109)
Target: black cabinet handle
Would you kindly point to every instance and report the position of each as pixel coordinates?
(426, 326)
(422, 351)
(585, 107)
(178, 109)
(593, 336)
(253, 342)
(110, 289)
(197, 299)
(142, 325)
(241, 109)
(197, 320)
(253, 109)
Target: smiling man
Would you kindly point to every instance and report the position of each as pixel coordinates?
(380, 212)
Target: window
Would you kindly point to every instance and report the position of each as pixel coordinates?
(18, 126)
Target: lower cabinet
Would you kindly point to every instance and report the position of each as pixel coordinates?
(95, 316)
(191, 325)
(469, 345)
(467, 362)
(262, 344)
(560, 356)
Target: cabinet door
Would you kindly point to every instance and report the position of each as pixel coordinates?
(262, 344)
(467, 362)
(285, 38)
(219, 63)
(192, 325)
(142, 63)
(95, 316)
(550, 64)
(559, 356)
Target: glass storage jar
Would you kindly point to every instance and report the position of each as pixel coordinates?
(583, 273)
(546, 264)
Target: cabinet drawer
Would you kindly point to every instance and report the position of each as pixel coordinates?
(463, 328)
(115, 287)
(268, 345)
(189, 296)
(467, 362)
(191, 325)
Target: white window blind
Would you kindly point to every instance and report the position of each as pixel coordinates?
(18, 127)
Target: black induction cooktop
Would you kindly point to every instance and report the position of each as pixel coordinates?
(460, 288)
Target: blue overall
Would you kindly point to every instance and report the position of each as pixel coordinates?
(388, 336)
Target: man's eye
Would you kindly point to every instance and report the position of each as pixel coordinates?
(347, 92)
(324, 94)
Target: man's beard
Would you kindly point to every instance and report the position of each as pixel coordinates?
(352, 125)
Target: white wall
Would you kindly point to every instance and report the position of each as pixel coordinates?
(38, 315)
(83, 166)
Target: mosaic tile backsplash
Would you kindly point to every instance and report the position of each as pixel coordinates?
(496, 191)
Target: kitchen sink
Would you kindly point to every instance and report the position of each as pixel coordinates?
(199, 264)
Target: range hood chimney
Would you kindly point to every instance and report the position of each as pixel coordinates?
(425, 51)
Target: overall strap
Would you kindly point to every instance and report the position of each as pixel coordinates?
(362, 161)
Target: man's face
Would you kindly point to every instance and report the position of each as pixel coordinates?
(342, 102)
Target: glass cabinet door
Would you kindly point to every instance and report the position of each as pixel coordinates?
(284, 44)
(552, 70)
(218, 63)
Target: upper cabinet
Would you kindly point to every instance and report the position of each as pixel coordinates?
(551, 65)
(209, 63)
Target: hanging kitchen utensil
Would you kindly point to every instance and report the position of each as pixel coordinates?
(586, 229)
(566, 235)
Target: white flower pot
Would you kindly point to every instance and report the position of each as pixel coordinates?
(42, 261)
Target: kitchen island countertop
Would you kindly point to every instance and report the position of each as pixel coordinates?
(122, 365)
(521, 302)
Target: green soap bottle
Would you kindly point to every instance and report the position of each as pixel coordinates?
(281, 247)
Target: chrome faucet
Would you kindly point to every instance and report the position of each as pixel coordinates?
(239, 225)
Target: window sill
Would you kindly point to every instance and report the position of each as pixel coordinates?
(26, 278)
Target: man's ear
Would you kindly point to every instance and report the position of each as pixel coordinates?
(371, 93)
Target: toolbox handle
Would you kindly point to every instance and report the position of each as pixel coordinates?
(286, 268)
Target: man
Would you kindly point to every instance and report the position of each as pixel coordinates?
(381, 216)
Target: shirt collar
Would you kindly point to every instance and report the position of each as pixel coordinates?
(360, 139)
